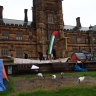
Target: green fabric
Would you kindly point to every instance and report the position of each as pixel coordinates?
(51, 44)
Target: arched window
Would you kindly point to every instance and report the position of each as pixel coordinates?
(50, 19)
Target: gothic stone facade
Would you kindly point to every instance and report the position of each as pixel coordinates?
(19, 38)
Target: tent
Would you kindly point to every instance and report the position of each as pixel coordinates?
(3, 75)
(78, 57)
(80, 67)
(34, 67)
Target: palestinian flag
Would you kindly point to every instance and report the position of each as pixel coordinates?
(52, 38)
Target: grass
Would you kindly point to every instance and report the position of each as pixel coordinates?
(72, 91)
(92, 74)
(8, 63)
(68, 91)
(10, 88)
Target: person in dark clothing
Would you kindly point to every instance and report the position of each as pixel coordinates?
(25, 56)
(51, 56)
(54, 53)
(40, 55)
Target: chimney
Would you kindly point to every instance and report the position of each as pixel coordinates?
(1, 14)
(25, 18)
(78, 24)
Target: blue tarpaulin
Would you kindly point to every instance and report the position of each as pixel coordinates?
(79, 67)
(2, 86)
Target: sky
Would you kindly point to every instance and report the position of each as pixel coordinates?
(85, 9)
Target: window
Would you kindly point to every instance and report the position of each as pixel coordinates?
(30, 37)
(5, 35)
(19, 52)
(50, 19)
(18, 36)
(64, 42)
(4, 52)
(83, 40)
(74, 40)
(50, 7)
(75, 49)
(30, 54)
(30, 33)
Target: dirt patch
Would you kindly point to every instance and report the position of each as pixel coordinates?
(51, 84)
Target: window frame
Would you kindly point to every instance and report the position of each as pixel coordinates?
(50, 19)
(19, 36)
(19, 52)
(5, 35)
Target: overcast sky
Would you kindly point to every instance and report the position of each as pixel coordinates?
(85, 9)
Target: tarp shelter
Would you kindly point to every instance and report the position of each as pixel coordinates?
(34, 67)
(78, 57)
(80, 67)
(3, 75)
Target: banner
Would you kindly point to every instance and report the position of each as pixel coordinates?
(52, 38)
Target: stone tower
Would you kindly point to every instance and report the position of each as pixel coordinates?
(47, 17)
(1, 14)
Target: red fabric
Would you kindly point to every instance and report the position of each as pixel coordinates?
(55, 33)
(78, 57)
(4, 72)
(74, 57)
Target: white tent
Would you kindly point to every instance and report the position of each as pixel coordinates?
(34, 67)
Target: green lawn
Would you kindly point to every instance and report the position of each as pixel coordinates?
(92, 74)
(70, 91)
(73, 91)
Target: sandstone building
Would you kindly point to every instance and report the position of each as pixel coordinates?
(25, 39)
